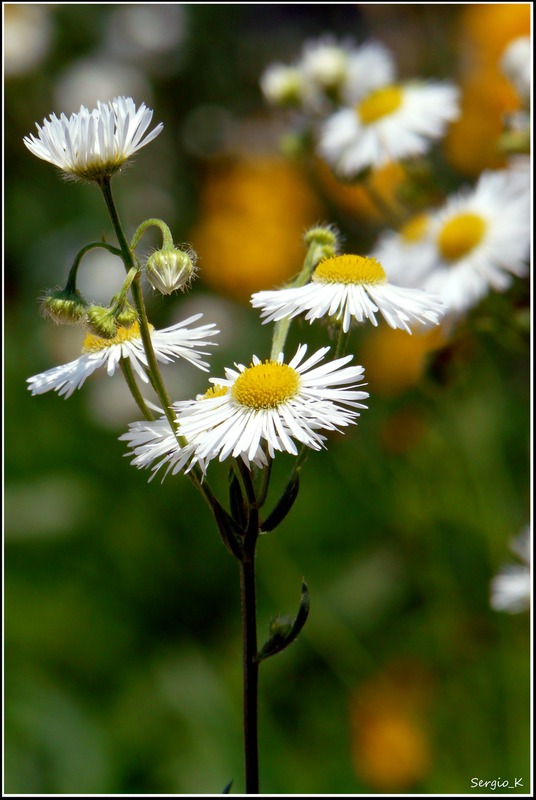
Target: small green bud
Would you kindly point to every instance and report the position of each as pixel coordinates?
(127, 316)
(102, 322)
(170, 269)
(280, 627)
(326, 237)
(64, 306)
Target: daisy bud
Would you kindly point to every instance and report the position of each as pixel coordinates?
(102, 322)
(325, 236)
(64, 306)
(127, 316)
(282, 85)
(170, 269)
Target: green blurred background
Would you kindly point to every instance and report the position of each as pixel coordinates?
(122, 629)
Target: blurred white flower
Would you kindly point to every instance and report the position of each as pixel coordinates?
(390, 123)
(516, 64)
(475, 242)
(27, 36)
(351, 71)
(510, 588)
(284, 85)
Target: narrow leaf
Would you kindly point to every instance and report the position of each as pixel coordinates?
(283, 505)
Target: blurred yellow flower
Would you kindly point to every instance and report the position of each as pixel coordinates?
(471, 144)
(254, 212)
(395, 362)
(390, 746)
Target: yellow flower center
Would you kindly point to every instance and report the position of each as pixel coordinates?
(415, 228)
(349, 269)
(460, 235)
(379, 104)
(266, 385)
(215, 391)
(92, 343)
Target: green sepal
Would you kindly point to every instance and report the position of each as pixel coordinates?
(239, 511)
(283, 630)
(283, 505)
(231, 533)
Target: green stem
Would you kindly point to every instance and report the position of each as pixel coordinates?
(129, 262)
(167, 238)
(392, 215)
(342, 342)
(71, 280)
(134, 390)
(315, 253)
(250, 674)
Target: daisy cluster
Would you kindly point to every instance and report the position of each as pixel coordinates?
(363, 116)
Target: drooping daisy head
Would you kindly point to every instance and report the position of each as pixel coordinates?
(93, 145)
(350, 287)
(266, 407)
(477, 241)
(390, 123)
(177, 341)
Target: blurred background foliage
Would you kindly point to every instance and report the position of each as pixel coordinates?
(122, 634)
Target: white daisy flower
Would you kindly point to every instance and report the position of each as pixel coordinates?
(154, 444)
(510, 589)
(350, 287)
(390, 123)
(477, 241)
(271, 405)
(177, 341)
(94, 144)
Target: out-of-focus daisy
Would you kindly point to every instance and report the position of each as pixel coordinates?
(351, 287)
(177, 341)
(273, 405)
(510, 588)
(390, 123)
(516, 64)
(477, 241)
(91, 145)
(348, 71)
(402, 254)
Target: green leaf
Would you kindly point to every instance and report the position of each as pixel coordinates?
(283, 506)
